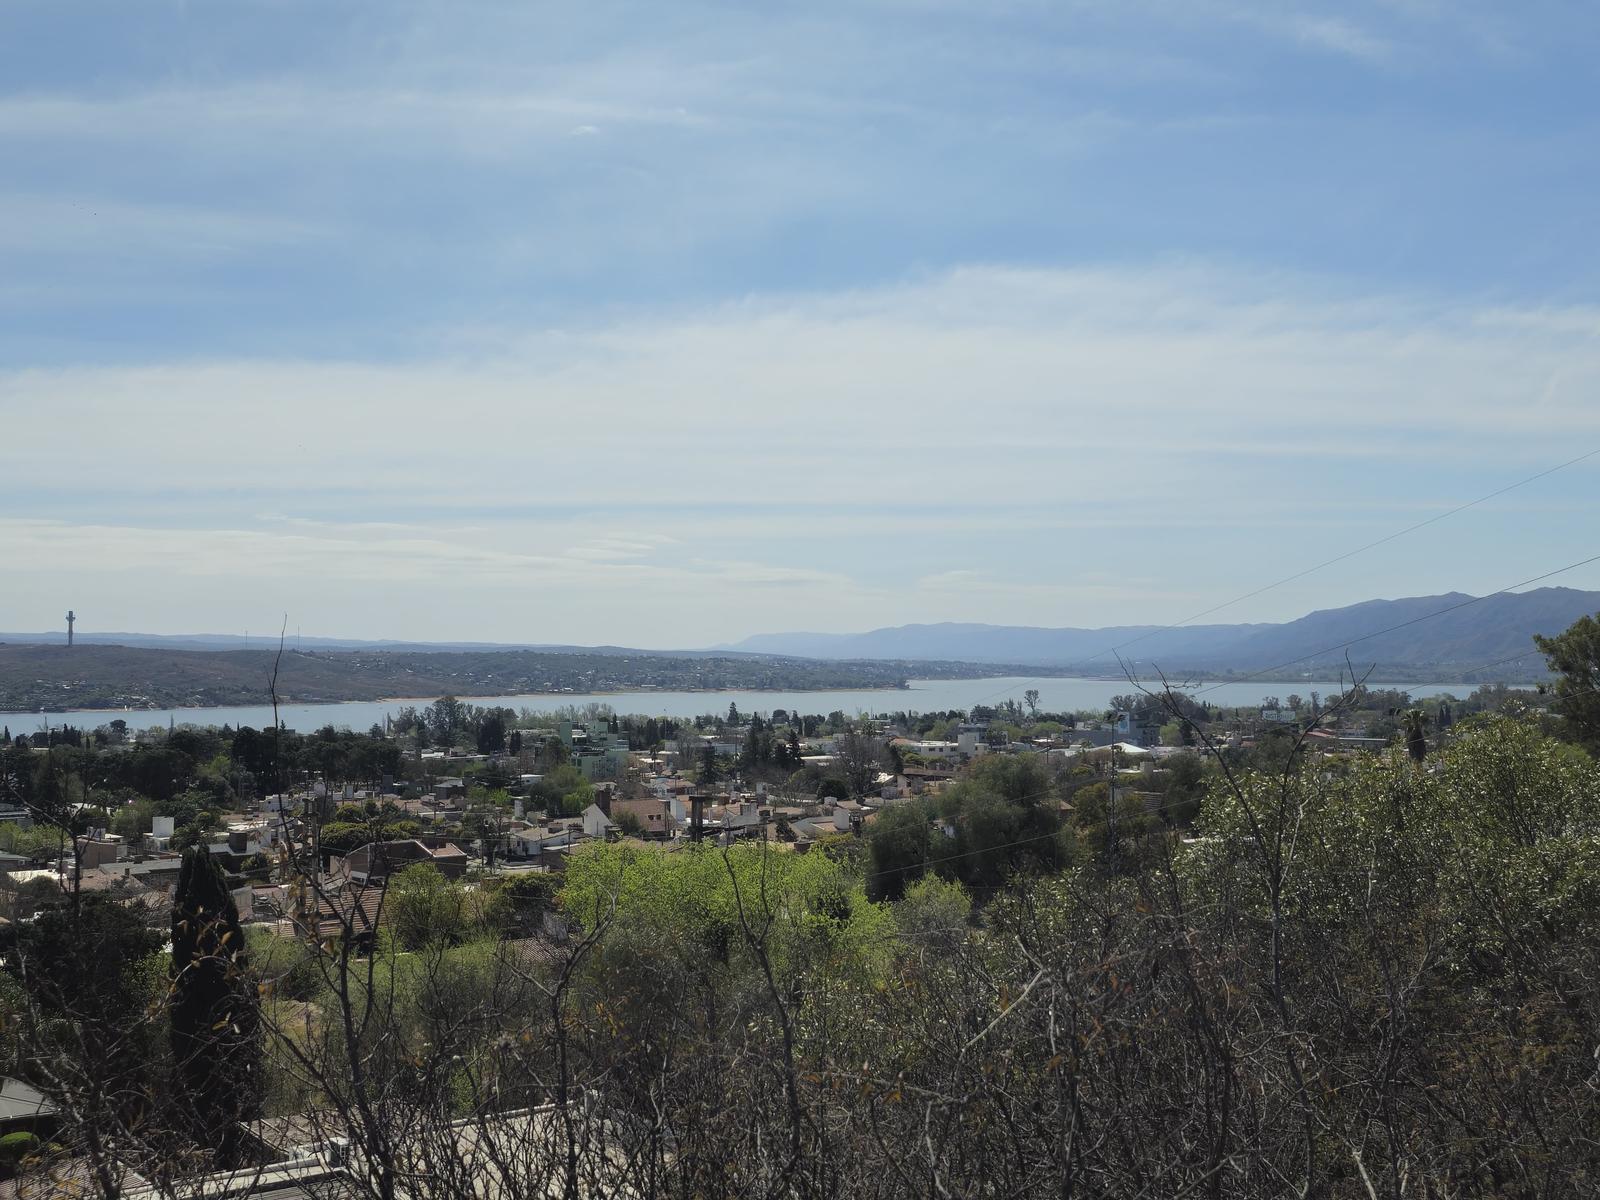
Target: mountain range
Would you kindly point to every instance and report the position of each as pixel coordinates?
(1453, 631)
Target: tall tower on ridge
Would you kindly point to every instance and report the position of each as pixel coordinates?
(70, 620)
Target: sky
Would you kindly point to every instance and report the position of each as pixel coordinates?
(664, 325)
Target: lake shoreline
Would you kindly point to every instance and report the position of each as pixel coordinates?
(1057, 694)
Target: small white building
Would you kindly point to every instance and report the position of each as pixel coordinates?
(595, 822)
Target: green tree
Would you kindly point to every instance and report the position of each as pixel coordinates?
(446, 718)
(523, 899)
(492, 734)
(216, 1034)
(563, 792)
(1575, 656)
(860, 756)
(425, 908)
(81, 962)
(1414, 722)
(900, 846)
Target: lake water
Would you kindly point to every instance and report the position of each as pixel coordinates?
(924, 695)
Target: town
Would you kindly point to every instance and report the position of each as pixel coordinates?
(484, 848)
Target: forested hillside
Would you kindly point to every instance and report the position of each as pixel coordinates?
(53, 678)
(1459, 631)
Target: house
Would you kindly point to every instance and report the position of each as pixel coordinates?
(893, 789)
(654, 815)
(595, 822)
(737, 820)
(243, 841)
(353, 911)
(160, 874)
(813, 828)
(24, 1109)
(378, 860)
(529, 840)
(547, 846)
(596, 750)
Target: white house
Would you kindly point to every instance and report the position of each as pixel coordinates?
(595, 823)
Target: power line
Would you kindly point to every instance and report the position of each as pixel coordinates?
(1338, 558)
(1403, 625)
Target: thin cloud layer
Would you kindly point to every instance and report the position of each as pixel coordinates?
(769, 457)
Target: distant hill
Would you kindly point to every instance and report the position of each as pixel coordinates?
(1475, 632)
(1003, 643)
(235, 641)
(55, 678)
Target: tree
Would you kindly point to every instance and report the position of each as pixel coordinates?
(492, 734)
(425, 907)
(80, 960)
(485, 822)
(860, 755)
(1031, 699)
(446, 717)
(1415, 723)
(523, 899)
(553, 754)
(216, 1035)
(900, 845)
(832, 786)
(708, 764)
(1575, 656)
(563, 792)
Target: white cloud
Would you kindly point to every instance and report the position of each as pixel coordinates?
(979, 378)
(784, 456)
(100, 225)
(1341, 37)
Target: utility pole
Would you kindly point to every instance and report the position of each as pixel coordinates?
(1111, 812)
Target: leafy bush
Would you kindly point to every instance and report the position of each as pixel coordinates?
(14, 1147)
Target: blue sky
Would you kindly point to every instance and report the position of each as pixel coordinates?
(667, 324)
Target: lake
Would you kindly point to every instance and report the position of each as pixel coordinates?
(923, 695)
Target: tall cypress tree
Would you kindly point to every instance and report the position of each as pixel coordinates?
(216, 1027)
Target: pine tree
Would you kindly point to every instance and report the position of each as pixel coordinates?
(216, 1029)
